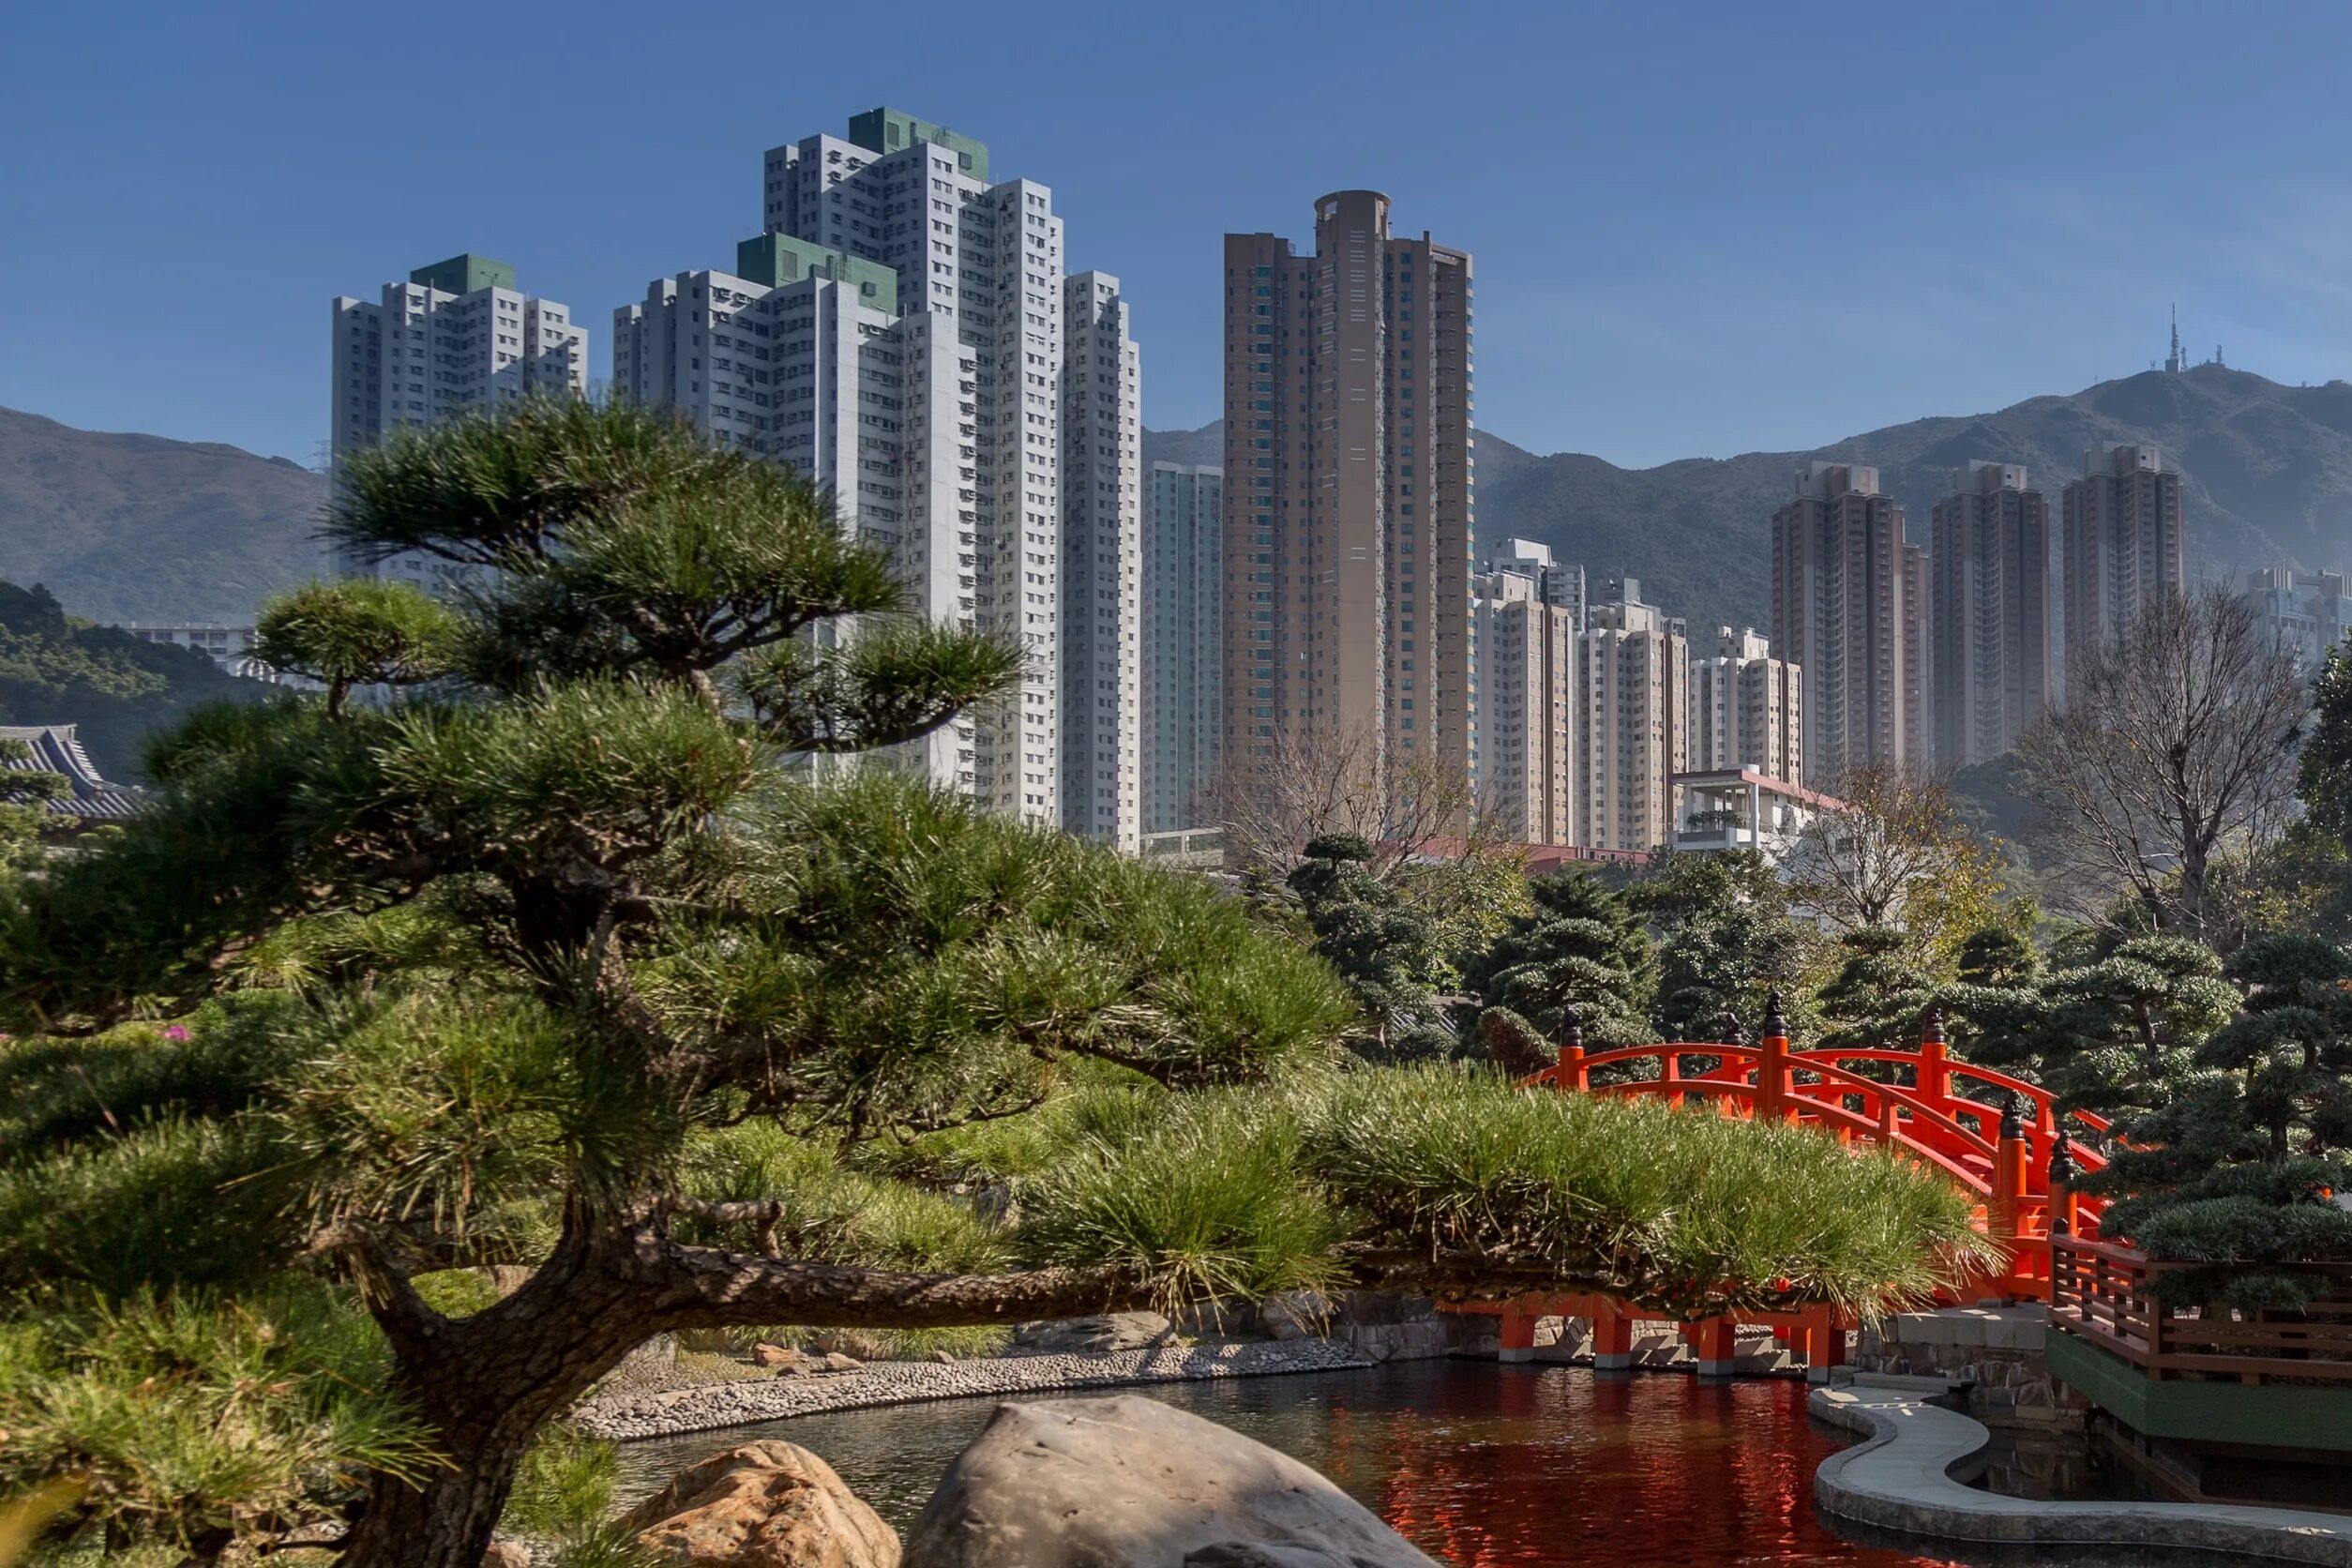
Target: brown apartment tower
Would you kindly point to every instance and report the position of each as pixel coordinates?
(2124, 541)
(1349, 522)
(1850, 608)
(1989, 562)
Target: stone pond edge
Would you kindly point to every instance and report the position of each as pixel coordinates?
(711, 1407)
(1902, 1478)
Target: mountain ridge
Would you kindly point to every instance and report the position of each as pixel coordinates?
(123, 526)
(2267, 472)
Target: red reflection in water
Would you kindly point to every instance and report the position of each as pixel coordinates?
(1551, 1465)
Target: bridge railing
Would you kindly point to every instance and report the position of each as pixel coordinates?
(2022, 1174)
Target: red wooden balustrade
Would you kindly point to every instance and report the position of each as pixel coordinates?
(2005, 1162)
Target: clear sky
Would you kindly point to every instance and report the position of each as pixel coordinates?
(1699, 230)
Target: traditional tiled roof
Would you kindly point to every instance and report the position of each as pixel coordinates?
(55, 750)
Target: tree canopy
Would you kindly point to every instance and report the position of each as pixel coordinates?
(570, 957)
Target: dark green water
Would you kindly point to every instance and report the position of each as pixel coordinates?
(1481, 1465)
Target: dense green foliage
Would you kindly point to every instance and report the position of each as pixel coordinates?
(568, 959)
(116, 688)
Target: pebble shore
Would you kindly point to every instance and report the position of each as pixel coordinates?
(632, 1415)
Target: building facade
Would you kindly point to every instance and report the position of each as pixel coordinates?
(914, 341)
(2124, 541)
(1850, 608)
(1632, 725)
(1349, 504)
(1526, 710)
(1746, 709)
(1184, 643)
(1557, 585)
(1102, 565)
(2305, 613)
(1989, 612)
(457, 337)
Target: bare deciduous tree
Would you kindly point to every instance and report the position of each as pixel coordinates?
(1319, 780)
(1897, 843)
(2175, 749)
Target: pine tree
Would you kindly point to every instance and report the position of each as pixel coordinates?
(1387, 952)
(1585, 948)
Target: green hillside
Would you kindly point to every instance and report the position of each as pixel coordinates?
(116, 687)
(141, 528)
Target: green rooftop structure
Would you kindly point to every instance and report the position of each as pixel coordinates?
(463, 274)
(777, 260)
(887, 131)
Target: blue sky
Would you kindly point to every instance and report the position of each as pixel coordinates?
(1699, 230)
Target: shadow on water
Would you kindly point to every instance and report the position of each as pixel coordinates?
(1539, 1467)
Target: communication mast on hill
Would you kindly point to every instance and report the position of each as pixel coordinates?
(2176, 361)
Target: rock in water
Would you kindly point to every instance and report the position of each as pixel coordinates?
(763, 1505)
(1131, 1482)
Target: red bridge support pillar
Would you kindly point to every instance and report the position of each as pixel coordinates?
(1517, 1333)
(1612, 1341)
(1712, 1343)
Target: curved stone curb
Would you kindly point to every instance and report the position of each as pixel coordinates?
(710, 1406)
(1902, 1477)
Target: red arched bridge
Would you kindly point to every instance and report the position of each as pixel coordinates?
(2004, 1141)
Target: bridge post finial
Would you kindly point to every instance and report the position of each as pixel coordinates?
(1776, 1025)
(2061, 1158)
(2012, 1128)
(1732, 1033)
(1570, 1026)
(1931, 1030)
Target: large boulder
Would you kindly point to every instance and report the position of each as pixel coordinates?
(763, 1505)
(1131, 1482)
(1111, 1331)
(1296, 1315)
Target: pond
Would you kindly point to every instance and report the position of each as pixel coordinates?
(1541, 1466)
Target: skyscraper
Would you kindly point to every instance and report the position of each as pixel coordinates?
(1850, 608)
(1527, 709)
(457, 337)
(1183, 645)
(903, 328)
(1348, 512)
(1989, 569)
(1632, 722)
(1102, 566)
(2124, 541)
(1746, 709)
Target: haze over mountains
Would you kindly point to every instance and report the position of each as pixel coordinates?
(2267, 470)
(140, 527)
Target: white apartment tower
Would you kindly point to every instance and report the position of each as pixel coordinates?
(1102, 565)
(1632, 719)
(1559, 586)
(1526, 705)
(457, 337)
(1183, 642)
(1747, 709)
(903, 330)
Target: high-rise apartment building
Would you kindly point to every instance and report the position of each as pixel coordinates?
(2305, 613)
(1746, 709)
(1102, 565)
(2123, 541)
(1989, 572)
(904, 329)
(1632, 722)
(1559, 586)
(1349, 516)
(457, 337)
(1526, 710)
(1850, 608)
(1183, 644)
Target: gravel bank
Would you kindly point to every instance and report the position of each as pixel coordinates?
(627, 1415)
